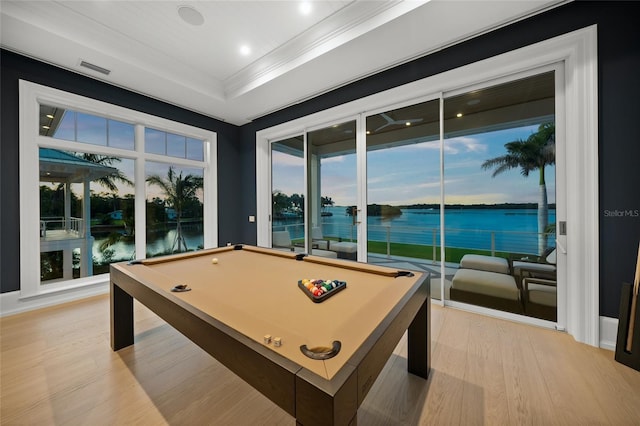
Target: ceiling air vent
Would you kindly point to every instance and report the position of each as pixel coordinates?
(95, 67)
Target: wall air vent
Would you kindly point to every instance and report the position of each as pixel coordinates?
(95, 67)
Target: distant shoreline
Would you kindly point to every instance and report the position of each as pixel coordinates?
(500, 206)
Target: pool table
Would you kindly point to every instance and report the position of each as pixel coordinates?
(245, 307)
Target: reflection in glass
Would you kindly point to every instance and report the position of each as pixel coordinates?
(91, 129)
(195, 149)
(176, 145)
(155, 141)
(403, 185)
(76, 126)
(121, 135)
(287, 193)
(332, 190)
(500, 186)
(86, 213)
(174, 208)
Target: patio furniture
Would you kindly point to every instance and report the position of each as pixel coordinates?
(317, 239)
(485, 263)
(282, 240)
(540, 267)
(344, 249)
(493, 290)
(540, 298)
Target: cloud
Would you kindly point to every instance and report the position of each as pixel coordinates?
(464, 144)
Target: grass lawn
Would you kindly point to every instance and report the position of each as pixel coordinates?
(418, 251)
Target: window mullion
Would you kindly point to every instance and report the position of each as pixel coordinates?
(140, 195)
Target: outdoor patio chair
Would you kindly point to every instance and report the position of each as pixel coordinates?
(540, 267)
(540, 298)
(281, 240)
(317, 239)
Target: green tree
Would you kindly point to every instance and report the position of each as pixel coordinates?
(534, 153)
(280, 202)
(297, 203)
(179, 192)
(326, 202)
(108, 181)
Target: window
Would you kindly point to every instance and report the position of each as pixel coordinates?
(174, 206)
(180, 146)
(573, 58)
(107, 180)
(60, 123)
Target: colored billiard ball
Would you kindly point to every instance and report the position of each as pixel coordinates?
(214, 260)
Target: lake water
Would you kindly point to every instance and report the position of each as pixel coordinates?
(511, 230)
(508, 230)
(158, 243)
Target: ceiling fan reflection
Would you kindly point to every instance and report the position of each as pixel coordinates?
(392, 122)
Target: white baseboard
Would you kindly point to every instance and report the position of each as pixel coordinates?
(12, 302)
(608, 333)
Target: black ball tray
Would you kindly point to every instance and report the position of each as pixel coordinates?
(324, 296)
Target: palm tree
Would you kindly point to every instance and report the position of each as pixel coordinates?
(179, 191)
(109, 180)
(534, 153)
(326, 202)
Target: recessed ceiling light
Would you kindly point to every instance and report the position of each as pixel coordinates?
(49, 115)
(245, 50)
(190, 15)
(305, 7)
(408, 123)
(459, 115)
(46, 127)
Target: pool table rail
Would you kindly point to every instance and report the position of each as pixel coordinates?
(310, 398)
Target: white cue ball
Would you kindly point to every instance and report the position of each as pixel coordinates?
(214, 260)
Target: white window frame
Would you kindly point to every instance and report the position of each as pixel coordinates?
(577, 52)
(31, 97)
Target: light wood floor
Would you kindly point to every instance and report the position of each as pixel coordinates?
(57, 369)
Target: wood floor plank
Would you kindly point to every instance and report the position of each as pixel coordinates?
(484, 392)
(57, 367)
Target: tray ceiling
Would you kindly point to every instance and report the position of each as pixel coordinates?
(190, 56)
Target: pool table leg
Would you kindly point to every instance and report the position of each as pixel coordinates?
(419, 342)
(121, 318)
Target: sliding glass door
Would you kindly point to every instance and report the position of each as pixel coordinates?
(287, 193)
(333, 213)
(500, 195)
(461, 184)
(403, 186)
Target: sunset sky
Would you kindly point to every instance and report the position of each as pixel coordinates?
(410, 174)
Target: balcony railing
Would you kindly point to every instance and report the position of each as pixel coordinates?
(71, 225)
(425, 243)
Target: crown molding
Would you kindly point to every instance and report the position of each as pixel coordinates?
(348, 23)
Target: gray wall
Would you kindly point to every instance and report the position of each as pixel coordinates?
(618, 94)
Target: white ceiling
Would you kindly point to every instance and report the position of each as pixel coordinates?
(150, 49)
